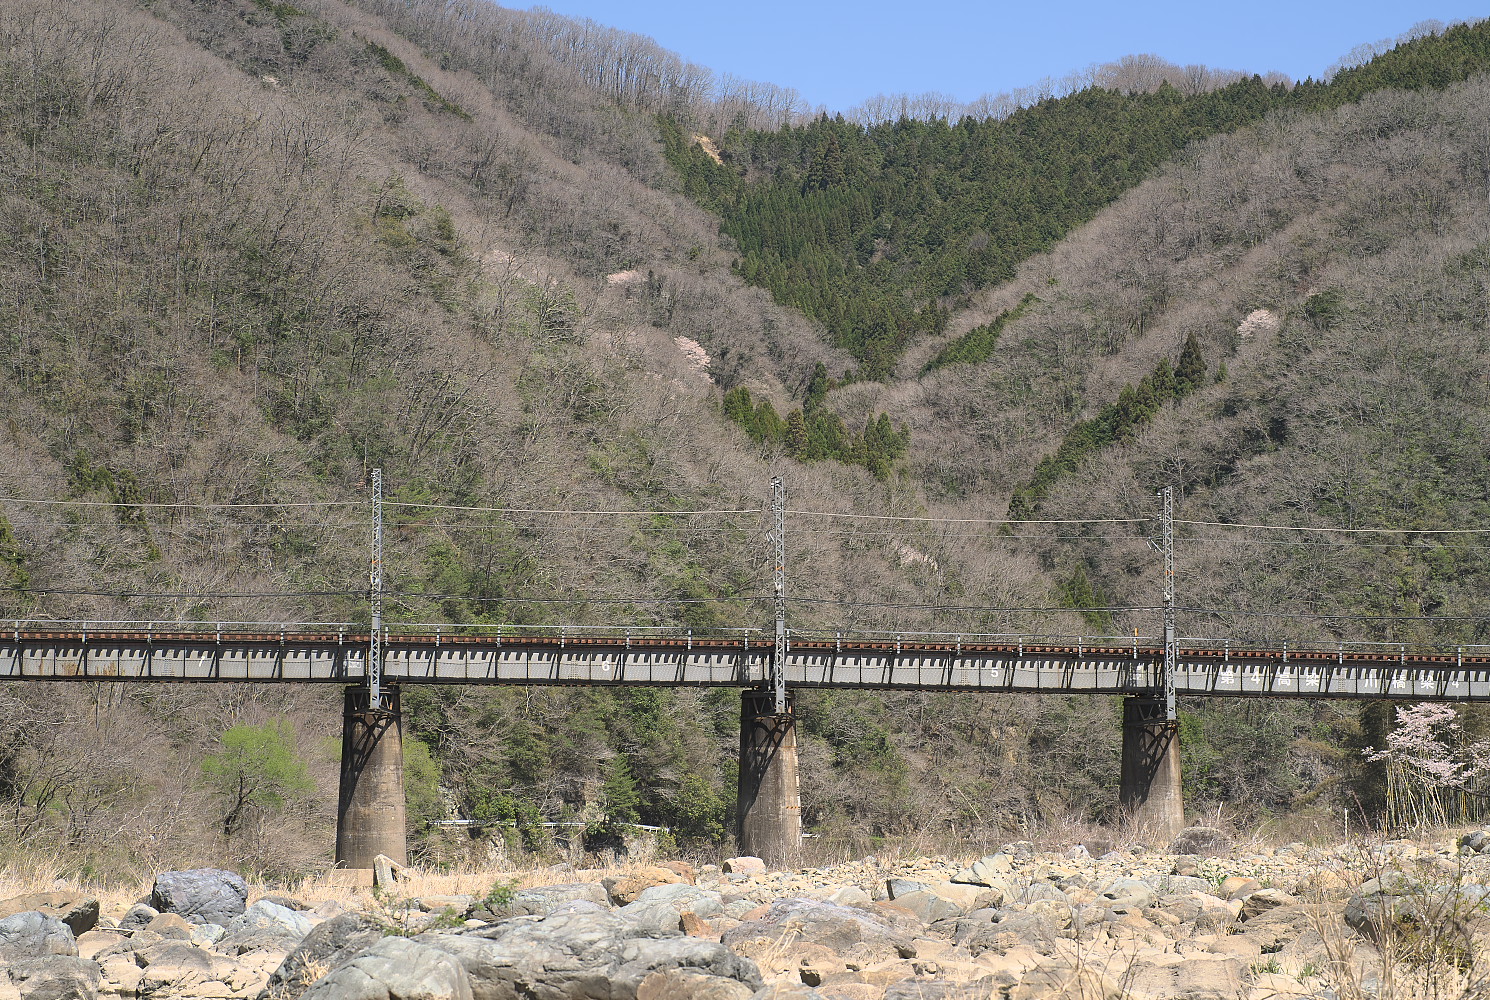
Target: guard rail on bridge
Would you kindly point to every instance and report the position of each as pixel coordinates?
(337, 653)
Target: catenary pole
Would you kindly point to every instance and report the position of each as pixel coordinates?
(1171, 645)
(375, 599)
(778, 580)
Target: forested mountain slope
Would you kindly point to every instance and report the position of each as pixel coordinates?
(877, 231)
(257, 249)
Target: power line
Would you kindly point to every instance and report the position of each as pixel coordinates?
(861, 533)
(596, 513)
(1344, 616)
(195, 596)
(181, 506)
(1341, 544)
(358, 503)
(969, 520)
(1348, 531)
(572, 600)
(953, 607)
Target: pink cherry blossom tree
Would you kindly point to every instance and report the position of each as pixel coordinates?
(1431, 772)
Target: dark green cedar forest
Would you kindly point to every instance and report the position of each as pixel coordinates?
(879, 232)
(255, 250)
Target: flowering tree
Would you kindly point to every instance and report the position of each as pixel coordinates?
(1431, 773)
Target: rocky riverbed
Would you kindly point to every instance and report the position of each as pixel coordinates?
(1201, 920)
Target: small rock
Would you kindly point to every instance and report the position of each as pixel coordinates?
(1187, 865)
(744, 866)
(137, 917)
(898, 887)
(387, 873)
(695, 926)
(850, 895)
(928, 906)
(288, 902)
(204, 935)
(682, 868)
(1264, 900)
(1239, 887)
(171, 926)
(120, 977)
(93, 942)
(985, 870)
(174, 966)
(459, 904)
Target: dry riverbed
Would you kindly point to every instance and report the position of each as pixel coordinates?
(1201, 920)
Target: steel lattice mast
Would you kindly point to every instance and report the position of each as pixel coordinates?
(778, 579)
(1171, 645)
(375, 599)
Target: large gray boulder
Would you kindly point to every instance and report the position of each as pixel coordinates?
(927, 905)
(845, 930)
(56, 977)
(986, 870)
(1201, 841)
(201, 895)
(395, 969)
(676, 984)
(998, 930)
(544, 899)
(265, 915)
(661, 907)
(77, 910)
(581, 956)
(264, 926)
(327, 946)
(33, 934)
(1128, 893)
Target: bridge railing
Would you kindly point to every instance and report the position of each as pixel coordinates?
(162, 625)
(958, 639)
(1189, 645)
(1375, 649)
(391, 630)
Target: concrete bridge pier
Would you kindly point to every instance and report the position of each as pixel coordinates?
(370, 806)
(769, 807)
(1151, 792)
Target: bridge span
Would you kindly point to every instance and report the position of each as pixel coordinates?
(370, 818)
(669, 657)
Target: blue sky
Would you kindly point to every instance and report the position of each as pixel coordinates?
(839, 53)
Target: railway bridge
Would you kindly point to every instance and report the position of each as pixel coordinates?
(373, 668)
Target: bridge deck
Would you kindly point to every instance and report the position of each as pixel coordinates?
(1011, 665)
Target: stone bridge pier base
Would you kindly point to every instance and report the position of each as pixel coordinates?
(769, 807)
(370, 806)
(1150, 792)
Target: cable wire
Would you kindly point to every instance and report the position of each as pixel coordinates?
(953, 607)
(1348, 531)
(968, 520)
(1319, 615)
(181, 506)
(596, 513)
